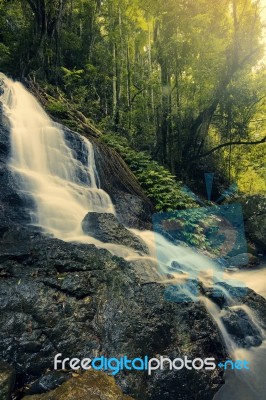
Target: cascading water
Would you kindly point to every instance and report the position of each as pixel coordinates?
(65, 188)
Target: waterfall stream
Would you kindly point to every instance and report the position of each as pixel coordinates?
(65, 188)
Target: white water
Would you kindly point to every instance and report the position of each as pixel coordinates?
(48, 168)
(64, 190)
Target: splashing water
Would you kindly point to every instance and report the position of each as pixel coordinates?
(65, 188)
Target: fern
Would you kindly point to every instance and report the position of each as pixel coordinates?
(158, 183)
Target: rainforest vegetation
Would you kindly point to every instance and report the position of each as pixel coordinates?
(178, 87)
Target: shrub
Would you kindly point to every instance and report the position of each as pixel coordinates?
(158, 183)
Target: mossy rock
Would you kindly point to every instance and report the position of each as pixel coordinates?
(7, 380)
(89, 385)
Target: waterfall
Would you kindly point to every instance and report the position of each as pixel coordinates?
(65, 188)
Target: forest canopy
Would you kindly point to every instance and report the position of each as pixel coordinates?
(182, 80)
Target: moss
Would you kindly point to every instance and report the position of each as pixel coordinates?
(89, 385)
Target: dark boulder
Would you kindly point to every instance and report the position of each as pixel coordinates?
(49, 381)
(82, 301)
(106, 228)
(241, 328)
(7, 380)
(243, 260)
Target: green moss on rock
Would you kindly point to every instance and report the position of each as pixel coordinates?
(89, 385)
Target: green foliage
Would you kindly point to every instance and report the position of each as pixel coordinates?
(71, 78)
(4, 51)
(166, 193)
(176, 77)
(58, 109)
(158, 183)
(193, 227)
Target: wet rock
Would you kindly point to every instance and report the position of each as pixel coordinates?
(217, 296)
(132, 211)
(7, 380)
(48, 381)
(174, 293)
(88, 386)
(240, 327)
(82, 301)
(14, 205)
(243, 313)
(243, 260)
(106, 227)
(257, 304)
